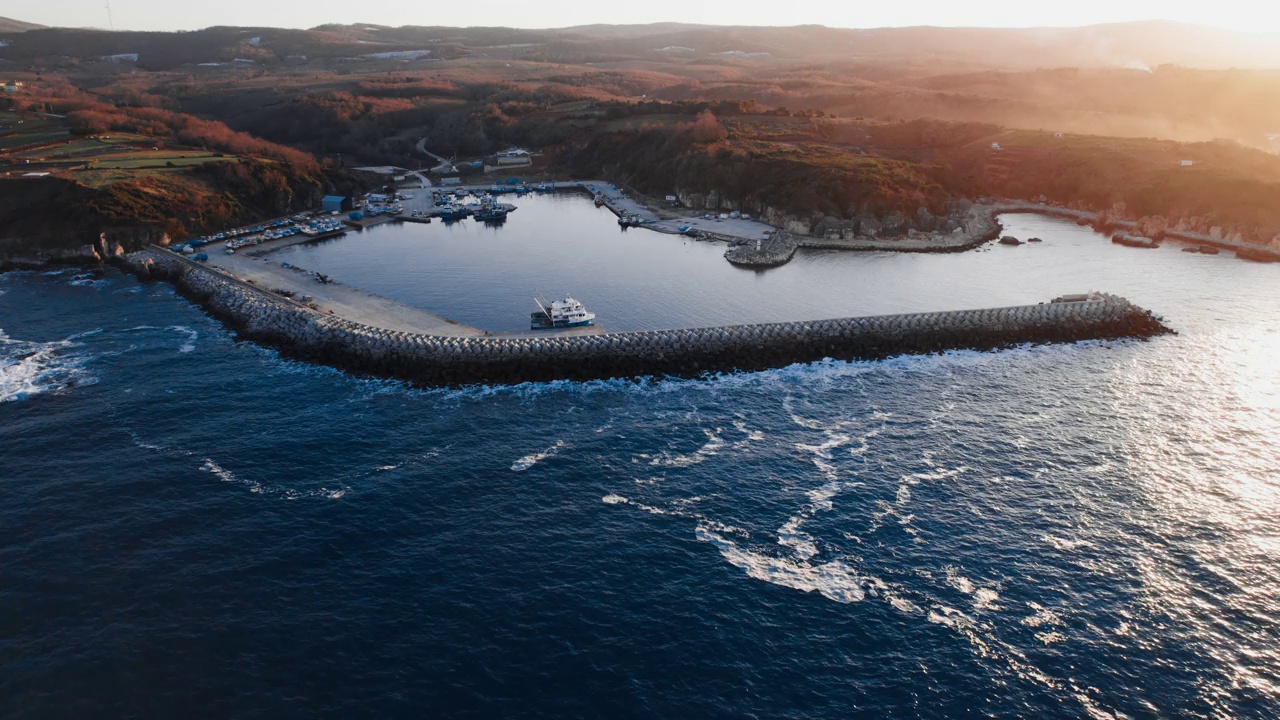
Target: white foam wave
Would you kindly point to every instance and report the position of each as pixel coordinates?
(529, 461)
(751, 435)
(227, 476)
(676, 460)
(834, 580)
(952, 618)
(1042, 616)
(1065, 544)
(212, 467)
(28, 369)
(190, 335)
(88, 280)
(985, 599)
(903, 605)
(1051, 637)
(959, 582)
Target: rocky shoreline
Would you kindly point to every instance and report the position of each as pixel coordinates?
(970, 226)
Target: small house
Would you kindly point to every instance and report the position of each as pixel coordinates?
(336, 203)
(1187, 163)
(995, 146)
(1058, 134)
(12, 87)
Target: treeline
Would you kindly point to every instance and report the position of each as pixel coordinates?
(182, 129)
(53, 212)
(661, 160)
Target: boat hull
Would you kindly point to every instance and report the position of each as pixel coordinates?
(539, 321)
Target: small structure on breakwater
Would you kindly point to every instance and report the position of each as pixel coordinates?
(301, 332)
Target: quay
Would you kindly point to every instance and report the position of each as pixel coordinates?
(363, 340)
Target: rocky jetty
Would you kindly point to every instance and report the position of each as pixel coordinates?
(777, 250)
(303, 333)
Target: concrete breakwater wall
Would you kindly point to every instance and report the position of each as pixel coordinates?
(303, 333)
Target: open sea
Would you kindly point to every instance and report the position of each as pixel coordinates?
(191, 526)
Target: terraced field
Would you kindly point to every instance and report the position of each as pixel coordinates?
(44, 144)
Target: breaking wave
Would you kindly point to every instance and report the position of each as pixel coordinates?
(28, 369)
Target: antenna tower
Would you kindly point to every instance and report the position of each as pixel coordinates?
(110, 21)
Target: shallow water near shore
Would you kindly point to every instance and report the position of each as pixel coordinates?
(196, 527)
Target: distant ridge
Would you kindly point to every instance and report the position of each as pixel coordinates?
(1136, 46)
(8, 25)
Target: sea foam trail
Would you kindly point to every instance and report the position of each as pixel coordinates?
(28, 368)
(833, 580)
(190, 335)
(529, 461)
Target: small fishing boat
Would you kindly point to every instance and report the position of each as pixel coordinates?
(490, 211)
(450, 213)
(565, 313)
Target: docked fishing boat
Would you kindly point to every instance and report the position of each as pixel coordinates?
(490, 211)
(599, 200)
(565, 313)
(491, 215)
(450, 213)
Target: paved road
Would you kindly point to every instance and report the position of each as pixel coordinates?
(422, 150)
(345, 301)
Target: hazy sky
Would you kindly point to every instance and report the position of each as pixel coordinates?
(1249, 15)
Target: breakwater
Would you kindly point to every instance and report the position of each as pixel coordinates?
(303, 333)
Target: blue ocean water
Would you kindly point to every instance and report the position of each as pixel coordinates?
(195, 527)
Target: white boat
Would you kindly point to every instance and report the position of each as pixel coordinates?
(560, 314)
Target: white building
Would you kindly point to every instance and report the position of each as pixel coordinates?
(1187, 163)
(514, 156)
(995, 146)
(12, 87)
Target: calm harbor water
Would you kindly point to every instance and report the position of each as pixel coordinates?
(637, 279)
(195, 527)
